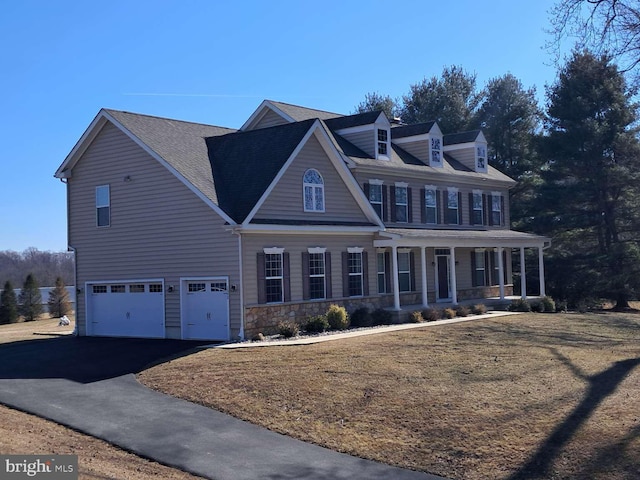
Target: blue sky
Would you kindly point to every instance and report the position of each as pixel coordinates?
(214, 62)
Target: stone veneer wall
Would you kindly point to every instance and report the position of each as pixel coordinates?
(265, 318)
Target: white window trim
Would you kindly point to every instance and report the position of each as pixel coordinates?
(358, 250)
(382, 156)
(313, 187)
(319, 251)
(316, 249)
(273, 250)
(355, 249)
(375, 181)
(383, 272)
(108, 205)
(379, 183)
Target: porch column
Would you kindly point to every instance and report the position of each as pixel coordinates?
(523, 274)
(423, 265)
(396, 283)
(452, 267)
(501, 272)
(543, 292)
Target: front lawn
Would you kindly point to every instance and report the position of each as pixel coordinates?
(527, 396)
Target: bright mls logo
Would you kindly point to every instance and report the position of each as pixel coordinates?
(50, 467)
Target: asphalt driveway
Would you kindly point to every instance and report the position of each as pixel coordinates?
(89, 385)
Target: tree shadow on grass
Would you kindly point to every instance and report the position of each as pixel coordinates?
(601, 386)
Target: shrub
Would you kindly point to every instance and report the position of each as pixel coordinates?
(537, 307)
(431, 314)
(361, 317)
(561, 306)
(448, 313)
(381, 316)
(258, 337)
(316, 324)
(479, 309)
(337, 317)
(416, 317)
(520, 305)
(288, 329)
(549, 304)
(462, 311)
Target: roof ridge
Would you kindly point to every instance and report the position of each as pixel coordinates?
(109, 110)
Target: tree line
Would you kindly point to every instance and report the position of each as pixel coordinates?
(576, 160)
(45, 266)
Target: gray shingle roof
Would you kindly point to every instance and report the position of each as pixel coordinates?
(411, 130)
(299, 113)
(181, 144)
(245, 163)
(355, 120)
(462, 137)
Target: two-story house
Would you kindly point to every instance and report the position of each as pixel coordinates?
(184, 230)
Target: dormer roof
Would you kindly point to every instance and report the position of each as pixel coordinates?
(463, 137)
(356, 120)
(402, 131)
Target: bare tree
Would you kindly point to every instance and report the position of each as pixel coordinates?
(609, 27)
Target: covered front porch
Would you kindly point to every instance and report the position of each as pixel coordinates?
(486, 265)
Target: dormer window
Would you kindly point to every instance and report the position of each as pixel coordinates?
(436, 152)
(313, 189)
(481, 158)
(382, 143)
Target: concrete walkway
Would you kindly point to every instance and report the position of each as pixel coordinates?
(89, 385)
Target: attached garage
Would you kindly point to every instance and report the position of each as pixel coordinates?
(126, 309)
(205, 308)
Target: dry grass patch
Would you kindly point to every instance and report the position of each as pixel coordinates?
(473, 400)
(14, 332)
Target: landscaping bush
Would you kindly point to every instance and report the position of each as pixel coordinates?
(448, 313)
(416, 317)
(520, 305)
(462, 311)
(431, 314)
(316, 324)
(258, 337)
(549, 304)
(337, 317)
(561, 306)
(288, 329)
(380, 316)
(361, 317)
(537, 307)
(479, 309)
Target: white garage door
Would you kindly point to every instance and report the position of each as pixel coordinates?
(126, 309)
(205, 309)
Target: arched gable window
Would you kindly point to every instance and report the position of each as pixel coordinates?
(313, 189)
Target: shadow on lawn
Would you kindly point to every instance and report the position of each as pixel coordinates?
(600, 387)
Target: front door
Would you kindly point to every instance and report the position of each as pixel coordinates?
(442, 278)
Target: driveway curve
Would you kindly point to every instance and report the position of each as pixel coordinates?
(88, 384)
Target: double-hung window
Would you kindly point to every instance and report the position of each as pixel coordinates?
(496, 208)
(401, 203)
(355, 270)
(103, 206)
(404, 271)
(477, 213)
(481, 159)
(479, 271)
(436, 152)
(452, 206)
(317, 283)
(431, 205)
(382, 275)
(313, 189)
(375, 197)
(274, 277)
(383, 142)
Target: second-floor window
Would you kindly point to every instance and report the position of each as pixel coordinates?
(477, 210)
(401, 204)
(103, 206)
(431, 205)
(453, 216)
(375, 197)
(496, 208)
(383, 142)
(313, 187)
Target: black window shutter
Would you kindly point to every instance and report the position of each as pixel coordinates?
(439, 206)
(387, 271)
(305, 276)
(460, 208)
(345, 274)
(471, 212)
(365, 273)
(492, 268)
(474, 281)
(485, 216)
(366, 190)
(504, 265)
(423, 208)
(286, 281)
(409, 206)
(393, 204)
(490, 209)
(385, 204)
(262, 290)
(412, 271)
(502, 212)
(487, 270)
(327, 275)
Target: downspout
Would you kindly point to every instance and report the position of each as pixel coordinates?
(75, 260)
(241, 287)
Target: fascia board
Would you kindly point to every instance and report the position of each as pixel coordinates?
(305, 229)
(82, 144)
(166, 164)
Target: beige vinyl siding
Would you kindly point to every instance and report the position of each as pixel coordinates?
(419, 149)
(286, 199)
(365, 140)
(269, 119)
(296, 245)
(466, 156)
(159, 228)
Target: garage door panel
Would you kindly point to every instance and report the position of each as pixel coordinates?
(205, 309)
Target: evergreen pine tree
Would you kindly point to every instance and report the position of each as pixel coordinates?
(59, 303)
(30, 299)
(8, 304)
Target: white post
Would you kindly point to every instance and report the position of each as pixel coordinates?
(423, 262)
(523, 274)
(452, 266)
(501, 272)
(396, 283)
(543, 292)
